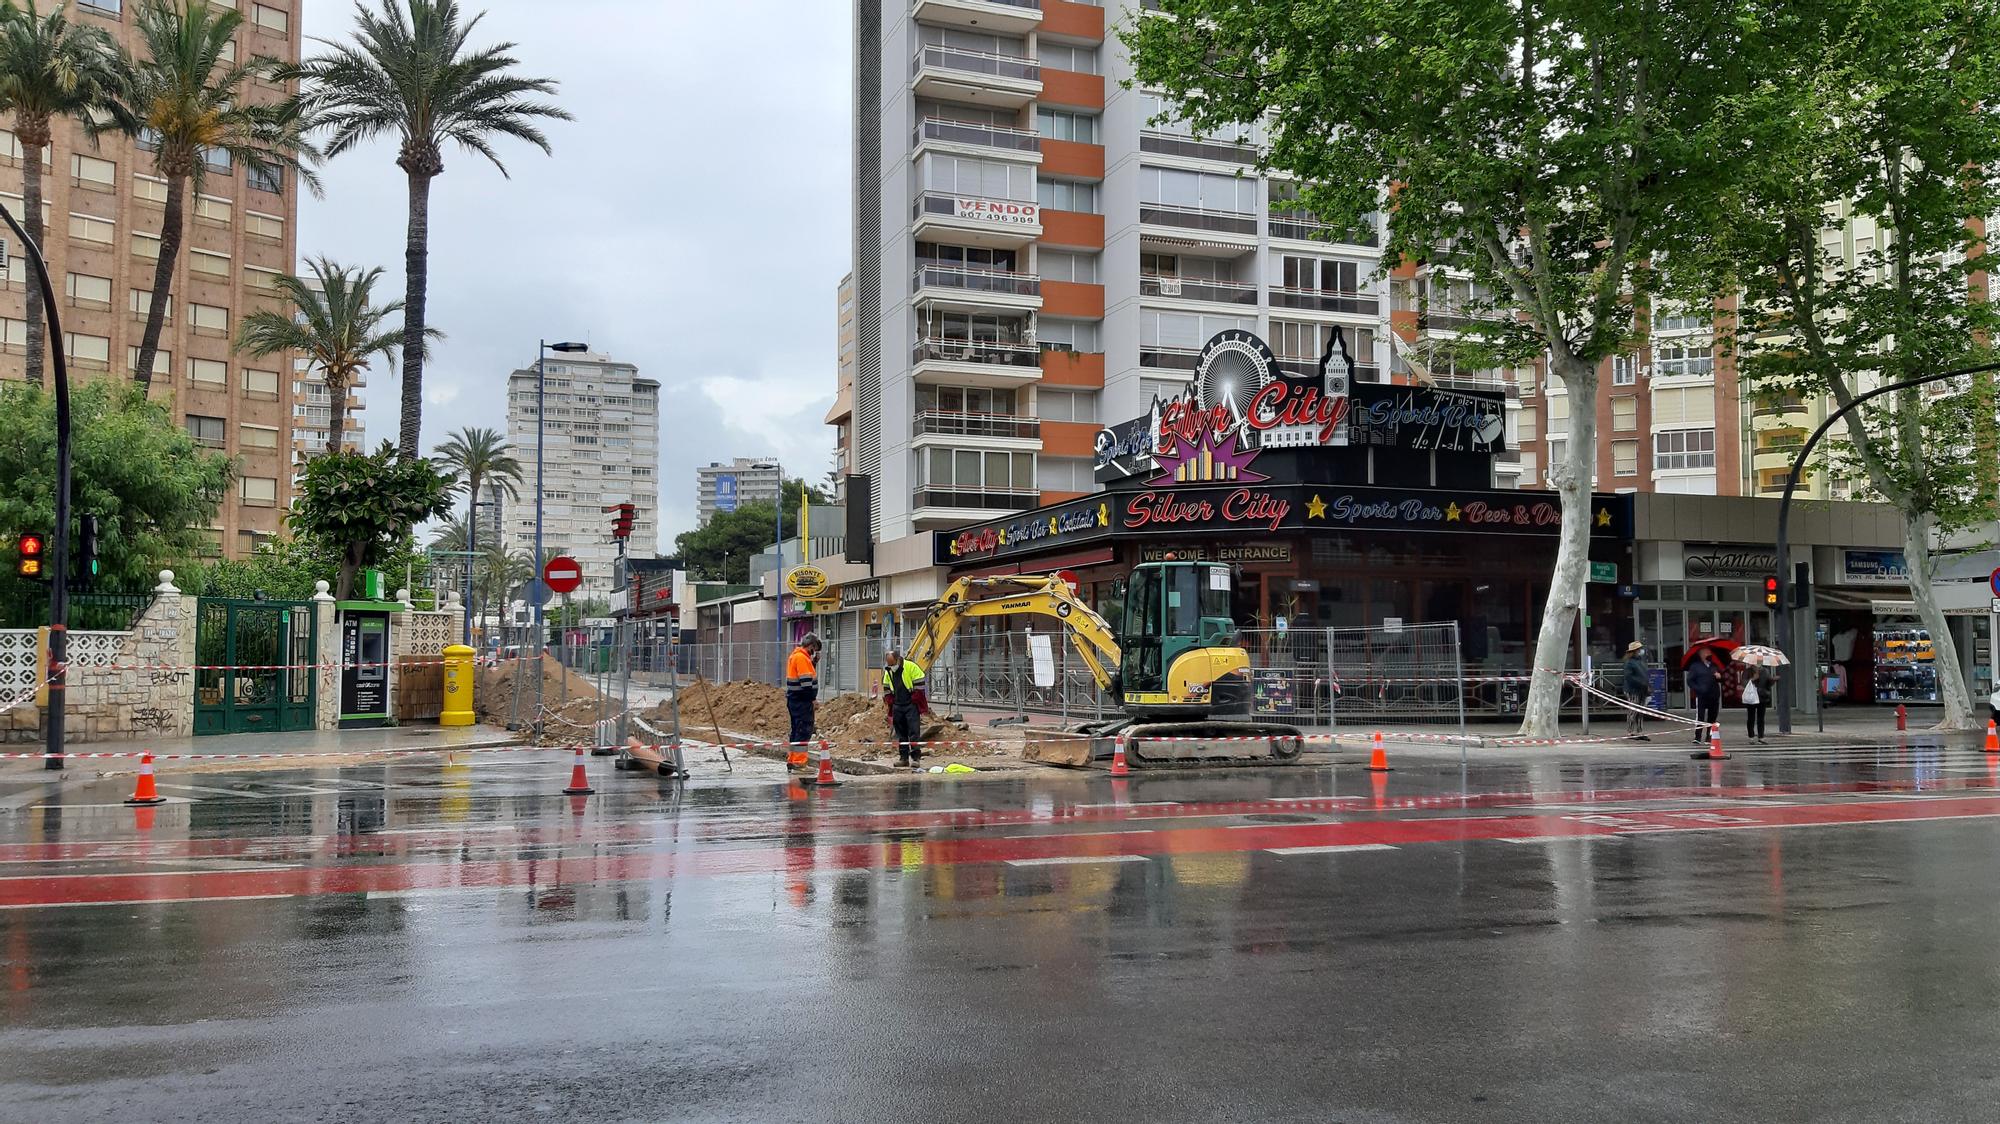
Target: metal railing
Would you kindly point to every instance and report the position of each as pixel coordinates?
(972, 279)
(979, 62)
(977, 351)
(1332, 676)
(951, 423)
(1195, 218)
(1324, 300)
(975, 133)
(1305, 228)
(1198, 289)
(995, 671)
(1169, 358)
(981, 499)
(1199, 148)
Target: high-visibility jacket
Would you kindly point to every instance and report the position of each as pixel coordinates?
(800, 674)
(911, 676)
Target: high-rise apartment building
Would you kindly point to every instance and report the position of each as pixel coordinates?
(721, 487)
(841, 414)
(103, 213)
(601, 446)
(1038, 254)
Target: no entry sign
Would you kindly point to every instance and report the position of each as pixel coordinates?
(562, 574)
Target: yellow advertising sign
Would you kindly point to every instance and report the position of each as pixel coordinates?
(807, 582)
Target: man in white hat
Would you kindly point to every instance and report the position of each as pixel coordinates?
(1638, 687)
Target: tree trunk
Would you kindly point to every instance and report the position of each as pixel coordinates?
(336, 411)
(416, 265)
(31, 202)
(1944, 662)
(163, 282)
(1571, 481)
(350, 565)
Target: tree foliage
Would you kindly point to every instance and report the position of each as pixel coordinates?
(1556, 150)
(333, 322)
(733, 536)
(153, 490)
(364, 505)
(1854, 237)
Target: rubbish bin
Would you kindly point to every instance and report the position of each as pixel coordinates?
(458, 676)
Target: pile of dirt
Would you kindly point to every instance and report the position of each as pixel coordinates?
(493, 691)
(855, 724)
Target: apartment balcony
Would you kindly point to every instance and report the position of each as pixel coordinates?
(1302, 227)
(1164, 358)
(1778, 409)
(975, 220)
(1007, 17)
(957, 362)
(962, 288)
(1197, 148)
(933, 508)
(1170, 229)
(1325, 300)
(1435, 321)
(979, 77)
(977, 139)
(1309, 368)
(986, 431)
(1198, 289)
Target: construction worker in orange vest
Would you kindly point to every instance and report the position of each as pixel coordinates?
(801, 692)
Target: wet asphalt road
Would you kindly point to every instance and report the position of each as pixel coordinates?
(1810, 935)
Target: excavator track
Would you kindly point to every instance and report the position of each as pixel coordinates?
(1167, 745)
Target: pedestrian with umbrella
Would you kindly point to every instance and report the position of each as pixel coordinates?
(1758, 683)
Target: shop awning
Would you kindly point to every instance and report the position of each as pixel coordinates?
(1048, 565)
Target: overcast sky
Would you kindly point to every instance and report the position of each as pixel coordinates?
(694, 220)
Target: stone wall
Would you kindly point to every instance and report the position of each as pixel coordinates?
(125, 686)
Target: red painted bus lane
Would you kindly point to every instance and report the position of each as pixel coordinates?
(699, 861)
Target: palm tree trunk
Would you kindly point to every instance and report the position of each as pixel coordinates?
(163, 280)
(416, 267)
(31, 201)
(336, 411)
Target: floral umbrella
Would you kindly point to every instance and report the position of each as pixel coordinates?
(1758, 655)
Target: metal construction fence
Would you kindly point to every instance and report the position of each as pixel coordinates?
(1330, 676)
(997, 671)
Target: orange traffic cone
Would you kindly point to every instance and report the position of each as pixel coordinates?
(1992, 737)
(1378, 761)
(825, 777)
(1715, 743)
(579, 782)
(145, 793)
(1119, 766)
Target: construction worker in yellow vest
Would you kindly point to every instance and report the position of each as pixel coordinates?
(903, 694)
(801, 692)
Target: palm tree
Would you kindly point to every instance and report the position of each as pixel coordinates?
(409, 75)
(334, 325)
(480, 457)
(187, 103)
(497, 574)
(49, 69)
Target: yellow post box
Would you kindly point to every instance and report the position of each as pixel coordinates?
(458, 678)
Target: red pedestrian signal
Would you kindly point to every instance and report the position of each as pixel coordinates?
(28, 552)
(1771, 592)
(621, 521)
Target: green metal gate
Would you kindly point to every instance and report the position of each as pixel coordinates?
(256, 662)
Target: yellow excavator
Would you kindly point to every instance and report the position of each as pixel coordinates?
(1172, 662)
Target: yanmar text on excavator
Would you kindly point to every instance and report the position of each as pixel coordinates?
(1172, 662)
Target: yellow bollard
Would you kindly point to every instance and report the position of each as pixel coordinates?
(458, 678)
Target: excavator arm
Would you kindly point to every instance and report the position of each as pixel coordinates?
(1040, 595)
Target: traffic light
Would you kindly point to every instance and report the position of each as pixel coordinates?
(28, 552)
(87, 565)
(621, 521)
(1771, 591)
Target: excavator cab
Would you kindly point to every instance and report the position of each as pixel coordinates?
(1176, 642)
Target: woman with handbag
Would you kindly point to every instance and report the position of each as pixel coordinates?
(1756, 691)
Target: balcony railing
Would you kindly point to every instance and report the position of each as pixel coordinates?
(980, 499)
(1324, 300)
(1309, 368)
(1305, 228)
(977, 351)
(1194, 218)
(980, 62)
(1198, 289)
(996, 213)
(1169, 358)
(1433, 320)
(972, 132)
(952, 423)
(1199, 148)
(976, 280)
(1778, 409)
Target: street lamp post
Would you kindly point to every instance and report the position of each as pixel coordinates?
(1783, 614)
(543, 347)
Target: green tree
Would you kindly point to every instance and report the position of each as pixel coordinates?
(333, 323)
(1854, 238)
(410, 75)
(721, 550)
(479, 459)
(1558, 150)
(284, 569)
(50, 69)
(190, 106)
(365, 505)
(153, 490)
